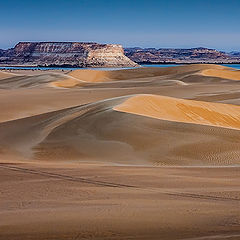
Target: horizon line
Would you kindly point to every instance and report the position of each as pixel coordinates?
(87, 42)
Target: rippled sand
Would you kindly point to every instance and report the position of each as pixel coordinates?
(146, 153)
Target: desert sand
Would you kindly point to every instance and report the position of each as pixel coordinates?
(144, 153)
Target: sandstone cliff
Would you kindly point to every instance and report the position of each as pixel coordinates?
(75, 54)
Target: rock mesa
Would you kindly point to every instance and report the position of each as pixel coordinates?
(75, 54)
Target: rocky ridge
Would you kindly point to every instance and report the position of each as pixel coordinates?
(171, 55)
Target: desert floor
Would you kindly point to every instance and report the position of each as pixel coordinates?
(146, 153)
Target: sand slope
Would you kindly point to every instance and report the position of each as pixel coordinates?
(137, 73)
(137, 77)
(180, 110)
(31, 81)
(145, 76)
(222, 73)
(82, 154)
(152, 135)
(4, 75)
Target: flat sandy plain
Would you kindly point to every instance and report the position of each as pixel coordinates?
(146, 153)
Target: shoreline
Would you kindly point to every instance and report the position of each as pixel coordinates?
(185, 63)
(63, 69)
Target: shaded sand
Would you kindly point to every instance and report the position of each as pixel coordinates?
(103, 76)
(137, 74)
(138, 77)
(98, 133)
(178, 75)
(4, 75)
(31, 81)
(67, 82)
(180, 110)
(38, 92)
(79, 78)
(125, 154)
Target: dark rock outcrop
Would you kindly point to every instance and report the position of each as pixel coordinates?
(235, 54)
(74, 54)
(171, 55)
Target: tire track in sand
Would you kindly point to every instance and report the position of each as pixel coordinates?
(116, 185)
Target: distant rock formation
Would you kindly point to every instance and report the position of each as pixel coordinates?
(171, 55)
(74, 54)
(235, 54)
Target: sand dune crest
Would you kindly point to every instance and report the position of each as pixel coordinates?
(137, 73)
(227, 73)
(135, 129)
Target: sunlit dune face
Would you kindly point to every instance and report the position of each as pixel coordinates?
(222, 73)
(66, 83)
(90, 75)
(180, 110)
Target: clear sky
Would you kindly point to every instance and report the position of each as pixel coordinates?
(144, 23)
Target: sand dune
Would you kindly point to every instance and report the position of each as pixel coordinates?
(227, 73)
(82, 154)
(67, 82)
(144, 75)
(161, 130)
(30, 81)
(137, 73)
(180, 75)
(180, 110)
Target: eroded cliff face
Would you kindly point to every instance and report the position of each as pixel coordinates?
(171, 55)
(66, 54)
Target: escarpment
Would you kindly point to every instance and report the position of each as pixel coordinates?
(75, 54)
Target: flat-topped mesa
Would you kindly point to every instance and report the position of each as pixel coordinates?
(76, 54)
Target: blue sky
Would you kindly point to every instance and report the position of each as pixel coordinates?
(144, 23)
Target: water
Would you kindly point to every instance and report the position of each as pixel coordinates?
(236, 66)
(70, 69)
(57, 68)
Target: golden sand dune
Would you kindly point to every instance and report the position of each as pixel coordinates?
(78, 154)
(227, 73)
(138, 77)
(67, 82)
(173, 133)
(180, 110)
(137, 73)
(145, 75)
